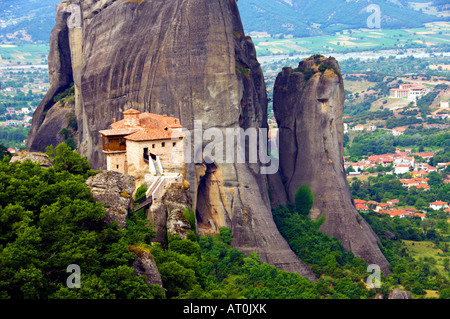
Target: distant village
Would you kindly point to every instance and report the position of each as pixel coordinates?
(389, 208)
(23, 116)
(402, 162)
(17, 118)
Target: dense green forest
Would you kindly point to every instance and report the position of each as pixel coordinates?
(50, 220)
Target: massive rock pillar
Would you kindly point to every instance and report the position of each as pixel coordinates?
(188, 59)
(308, 106)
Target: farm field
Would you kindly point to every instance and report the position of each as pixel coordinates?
(23, 54)
(436, 33)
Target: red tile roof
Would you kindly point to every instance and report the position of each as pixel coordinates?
(361, 207)
(150, 127)
(152, 134)
(119, 132)
(396, 212)
(438, 203)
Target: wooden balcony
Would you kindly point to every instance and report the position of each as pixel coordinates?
(114, 144)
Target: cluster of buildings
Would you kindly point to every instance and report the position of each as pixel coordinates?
(23, 116)
(390, 209)
(402, 162)
(360, 128)
(387, 208)
(410, 91)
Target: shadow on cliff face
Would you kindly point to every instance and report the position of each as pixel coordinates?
(209, 219)
(49, 117)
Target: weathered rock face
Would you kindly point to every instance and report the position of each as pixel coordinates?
(309, 117)
(145, 265)
(114, 191)
(175, 197)
(399, 294)
(177, 224)
(187, 59)
(40, 158)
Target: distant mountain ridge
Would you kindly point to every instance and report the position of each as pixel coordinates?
(301, 18)
(34, 17)
(298, 18)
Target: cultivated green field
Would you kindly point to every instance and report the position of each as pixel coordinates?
(24, 53)
(432, 34)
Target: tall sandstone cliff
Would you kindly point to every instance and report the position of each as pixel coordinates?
(185, 58)
(308, 106)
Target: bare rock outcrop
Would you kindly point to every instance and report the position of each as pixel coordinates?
(177, 224)
(399, 294)
(37, 157)
(145, 265)
(188, 59)
(174, 197)
(308, 106)
(114, 190)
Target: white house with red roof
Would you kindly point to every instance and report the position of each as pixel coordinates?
(424, 155)
(362, 207)
(358, 127)
(397, 131)
(438, 205)
(383, 206)
(429, 168)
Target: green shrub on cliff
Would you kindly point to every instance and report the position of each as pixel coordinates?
(304, 199)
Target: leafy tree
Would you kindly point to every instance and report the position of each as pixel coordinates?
(304, 199)
(435, 180)
(140, 192)
(325, 254)
(66, 159)
(65, 132)
(420, 204)
(226, 235)
(3, 152)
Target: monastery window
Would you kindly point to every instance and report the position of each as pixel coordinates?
(174, 143)
(153, 145)
(163, 144)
